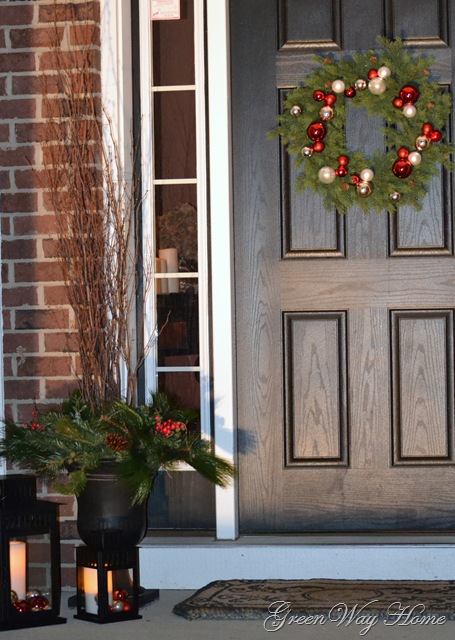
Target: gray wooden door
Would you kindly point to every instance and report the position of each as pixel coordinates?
(345, 325)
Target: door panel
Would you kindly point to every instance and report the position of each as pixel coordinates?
(344, 323)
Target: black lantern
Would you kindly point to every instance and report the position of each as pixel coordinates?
(107, 584)
(29, 556)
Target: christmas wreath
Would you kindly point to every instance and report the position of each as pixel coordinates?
(393, 85)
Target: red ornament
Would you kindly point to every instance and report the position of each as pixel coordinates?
(20, 606)
(318, 146)
(427, 128)
(341, 172)
(316, 131)
(330, 99)
(39, 603)
(402, 169)
(121, 595)
(318, 95)
(355, 179)
(343, 160)
(409, 94)
(373, 73)
(350, 92)
(402, 153)
(435, 136)
(398, 103)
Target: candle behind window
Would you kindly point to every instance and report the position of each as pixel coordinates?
(17, 566)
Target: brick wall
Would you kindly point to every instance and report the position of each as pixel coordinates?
(40, 358)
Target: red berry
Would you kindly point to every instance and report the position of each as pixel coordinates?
(397, 103)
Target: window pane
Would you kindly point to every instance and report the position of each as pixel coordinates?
(178, 326)
(176, 230)
(175, 134)
(173, 48)
(183, 386)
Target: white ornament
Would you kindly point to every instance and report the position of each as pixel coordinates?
(409, 110)
(384, 72)
(366, 175)
(377, 86)
(415, 158)
(326, 175)
(360, 84)
(338, 86)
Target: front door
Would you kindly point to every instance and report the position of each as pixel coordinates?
(345, 324)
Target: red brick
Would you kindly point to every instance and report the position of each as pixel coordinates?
(38, 132)
(3, 86)
(18, 157)
(35, 37)
(2, 39)
(24, 61)
(68, 577)
(84, 34)
(15, 391)
(62, 342)
(8, 367)
(29, 319)
(16, 14)
(55, 294)
(69, 11)
(49, 366)
(27, 341)
(58, 389)
(67, 548)
(18, 202)
(39, 224)
(33, 84)
(5, 225)
(5, 182)
(6, 318)
(28, 178)
(4, 132)
(18, 108)
(50, 248)
(49, 60)
(19, 249)
(19, 296)
(37, 272)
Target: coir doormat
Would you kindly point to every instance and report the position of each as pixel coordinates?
(318, 601)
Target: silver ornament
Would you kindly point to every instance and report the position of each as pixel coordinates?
(307, 152)
(118, 605)
(32, 593)
(364, 189)
(360, 84)
(395, 196)
(422, 143)
(326, 112)
(296, 110)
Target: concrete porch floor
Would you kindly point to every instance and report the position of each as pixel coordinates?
(159, 623)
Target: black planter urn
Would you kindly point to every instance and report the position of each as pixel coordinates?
(105, 517)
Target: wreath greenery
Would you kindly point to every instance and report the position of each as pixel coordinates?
(392, 85)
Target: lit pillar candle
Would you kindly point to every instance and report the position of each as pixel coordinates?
(17, 568)
(91, 589)
(172, 262)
